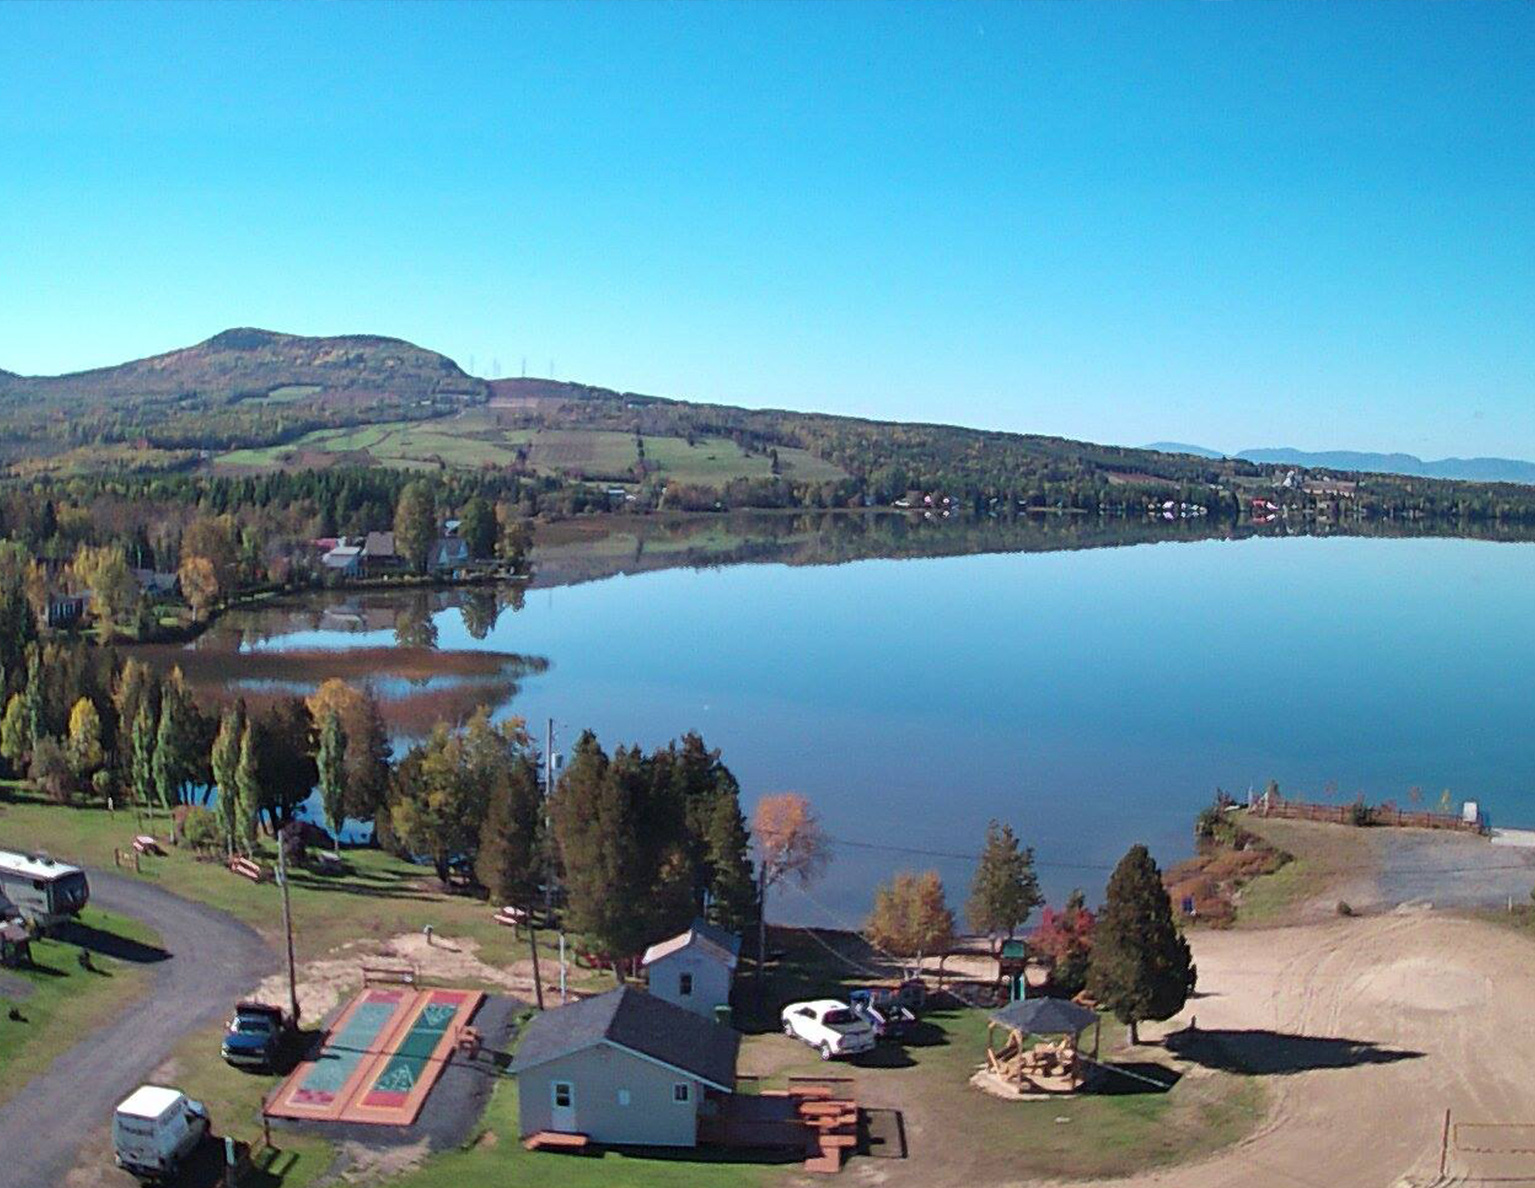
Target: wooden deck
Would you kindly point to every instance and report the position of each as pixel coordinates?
(820, 1119)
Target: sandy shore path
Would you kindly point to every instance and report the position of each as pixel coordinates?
(1366, 1031)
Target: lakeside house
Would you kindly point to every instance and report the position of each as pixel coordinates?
(450, 551)
(344, 559)
(625, 1067)
(694, 970)
(379, 554)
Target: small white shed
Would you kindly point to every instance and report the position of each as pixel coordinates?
(695, 969)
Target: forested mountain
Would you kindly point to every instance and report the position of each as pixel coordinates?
(243, 385)
(249, 404)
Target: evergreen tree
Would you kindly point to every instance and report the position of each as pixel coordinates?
(330, 763)
(226, 762)
(1141, 967)
(510, 862)
(732, 885)
(598, 841)
(1005, 891)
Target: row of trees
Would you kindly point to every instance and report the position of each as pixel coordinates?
(1131, 956)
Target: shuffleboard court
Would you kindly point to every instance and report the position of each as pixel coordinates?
(380, 1059)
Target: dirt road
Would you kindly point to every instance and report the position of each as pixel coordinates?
(213, 959)
(1365, 1031)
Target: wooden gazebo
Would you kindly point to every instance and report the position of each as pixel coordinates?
(1044, 1067)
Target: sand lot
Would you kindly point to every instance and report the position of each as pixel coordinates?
(1365, 1031)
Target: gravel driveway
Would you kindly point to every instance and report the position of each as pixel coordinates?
(213, 960)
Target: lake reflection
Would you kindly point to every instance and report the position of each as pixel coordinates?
(1093, 698)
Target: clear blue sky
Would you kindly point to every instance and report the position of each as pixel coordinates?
(1231, 224)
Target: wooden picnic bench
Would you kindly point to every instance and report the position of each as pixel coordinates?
(250, 869)
(404, 975)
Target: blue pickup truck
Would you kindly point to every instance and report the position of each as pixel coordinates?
(882, 1007)
(256, 1035)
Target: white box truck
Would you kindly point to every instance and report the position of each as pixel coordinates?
(155, 1129)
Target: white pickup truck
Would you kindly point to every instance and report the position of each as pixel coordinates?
(828, 1026)
(155, 1129)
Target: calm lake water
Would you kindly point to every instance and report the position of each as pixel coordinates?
(1092, 698)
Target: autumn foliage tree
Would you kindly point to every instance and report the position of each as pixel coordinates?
(911, 915)
(1065, 939)
(790, 845)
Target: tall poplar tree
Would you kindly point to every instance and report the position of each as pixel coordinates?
(1141, 965)
(330, 763)
(247, 781)
(1005, 891)
(226, 762)
(415, 524)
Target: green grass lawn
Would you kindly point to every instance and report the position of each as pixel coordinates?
(233, 1098)
(377, 898)
(472, 439)
(65, 1001)
(496, 1159)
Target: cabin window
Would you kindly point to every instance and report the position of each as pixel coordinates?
(563, 1095)
(685, 985)
(623, 1097)
(682, 1093)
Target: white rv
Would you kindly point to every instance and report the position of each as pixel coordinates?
(155, 1129)
(44, 891)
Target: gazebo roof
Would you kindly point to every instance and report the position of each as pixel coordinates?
(1045, 1016)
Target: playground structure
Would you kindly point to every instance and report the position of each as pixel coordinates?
(381, 1058)
(1016, 1069)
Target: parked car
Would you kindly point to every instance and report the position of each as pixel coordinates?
(256, 1034)
(155, 1129)
(828, 1026)
(882, 1008)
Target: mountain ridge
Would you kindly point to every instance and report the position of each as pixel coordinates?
(1476, 469)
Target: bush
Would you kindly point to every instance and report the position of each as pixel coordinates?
(1344, 909)
(50, 770)
(200, 826)
(1361, 814)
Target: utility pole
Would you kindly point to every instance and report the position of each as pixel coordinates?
(549, 840)
(287, 925)
(538, 980)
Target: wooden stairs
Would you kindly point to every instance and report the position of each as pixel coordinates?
(831, 1127)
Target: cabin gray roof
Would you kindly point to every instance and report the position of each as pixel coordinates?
(1045, 1016)
(636, 1021)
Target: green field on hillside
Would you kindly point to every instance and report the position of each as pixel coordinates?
(473, 439)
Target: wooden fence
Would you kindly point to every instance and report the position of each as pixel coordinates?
(1344, 814)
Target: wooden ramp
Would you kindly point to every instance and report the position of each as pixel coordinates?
(555, 1140)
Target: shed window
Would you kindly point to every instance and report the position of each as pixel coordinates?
(623, 1097)
(682, 1093)
(562, 1094)
(685, 985)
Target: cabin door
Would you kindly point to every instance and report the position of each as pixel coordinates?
(562, 1107)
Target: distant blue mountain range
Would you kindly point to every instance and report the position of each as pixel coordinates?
(1481, 470)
